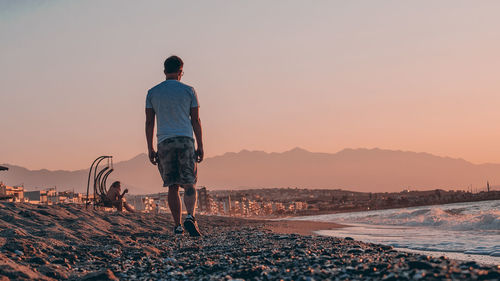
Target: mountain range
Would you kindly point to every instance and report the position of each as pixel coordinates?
(368, 170)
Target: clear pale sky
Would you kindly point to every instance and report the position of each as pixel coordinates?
(270, 75)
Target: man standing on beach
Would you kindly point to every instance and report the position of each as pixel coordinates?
(176, 108)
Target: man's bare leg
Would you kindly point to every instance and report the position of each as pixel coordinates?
(174, 203)
(190, 197)
(190, 200)
(128, 207)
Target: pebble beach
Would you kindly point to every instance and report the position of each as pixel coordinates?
(68, 242)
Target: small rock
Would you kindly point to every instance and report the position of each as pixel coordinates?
(492, 275)
(355, 251)
(386, 247)
(37, 260)
(391, 277)
(169, 260)
(472, 264)
(349, 238)
(61, 261)
(419, 265)
(43, 212)
(53, 271)
(103, 275)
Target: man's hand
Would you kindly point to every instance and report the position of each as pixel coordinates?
(196, 123)
(152, 156)
(150, 126)
(199, 154)
(125, 191)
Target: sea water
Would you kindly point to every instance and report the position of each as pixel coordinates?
(471, 228)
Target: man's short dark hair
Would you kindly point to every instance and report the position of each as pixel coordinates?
(115, 184)
(173, 64)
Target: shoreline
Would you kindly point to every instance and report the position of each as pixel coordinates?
(458, 256)
(304, 227)
(300, 227)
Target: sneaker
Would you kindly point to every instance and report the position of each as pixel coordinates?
(178, 229)
(191, 226)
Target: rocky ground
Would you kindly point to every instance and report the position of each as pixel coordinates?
(68, 242)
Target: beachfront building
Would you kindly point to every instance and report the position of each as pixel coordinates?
(278, 207)
(42, 196)
(136, 201)
(51, 196)
(241, 207)
(149, 204)
(2, 186)
(36, 197)
(152, 203)
(3, 196)
(12, 193)
(70, 197)
(203, 205)
(226, 204)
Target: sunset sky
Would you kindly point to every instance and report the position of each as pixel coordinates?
(270, 75)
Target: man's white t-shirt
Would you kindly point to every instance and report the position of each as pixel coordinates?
(172, 101)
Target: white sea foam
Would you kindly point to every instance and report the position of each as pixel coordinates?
(483, 215)
(437, 217)
(468, 228)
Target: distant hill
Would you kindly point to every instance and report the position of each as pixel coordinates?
(372, 170)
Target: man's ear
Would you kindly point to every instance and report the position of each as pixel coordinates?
(165, 71)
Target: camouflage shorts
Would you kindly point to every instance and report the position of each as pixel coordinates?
(177, 161)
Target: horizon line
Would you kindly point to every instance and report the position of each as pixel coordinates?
(296, 148)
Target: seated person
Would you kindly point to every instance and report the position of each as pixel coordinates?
(116, 199)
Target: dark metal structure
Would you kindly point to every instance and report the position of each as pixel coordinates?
(99, 181)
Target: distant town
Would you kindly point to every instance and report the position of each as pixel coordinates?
(265, 202)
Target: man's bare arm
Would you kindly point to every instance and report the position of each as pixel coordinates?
(150, 127)
(123, 193)
(196, 123)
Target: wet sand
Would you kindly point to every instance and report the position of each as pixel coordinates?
(480, 259)
(300, 227)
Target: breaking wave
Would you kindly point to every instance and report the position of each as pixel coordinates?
(483, 215)
(471, 228)
(437, 217)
